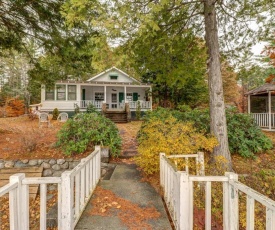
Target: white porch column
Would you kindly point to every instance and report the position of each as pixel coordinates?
(125, 93)
(105, 94)
(151, 98)
(248, 104)
(43, 92)
(269, 110)
(78, 92)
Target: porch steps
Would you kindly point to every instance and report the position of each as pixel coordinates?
(117, 116)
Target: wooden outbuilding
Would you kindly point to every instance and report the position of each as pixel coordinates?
(261, 105)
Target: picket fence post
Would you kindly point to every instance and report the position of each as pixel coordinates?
(184, 202)
(233, 202)
(19, 203)
(67, 214)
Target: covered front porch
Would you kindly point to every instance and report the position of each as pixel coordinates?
(261, 106)
(66, 96)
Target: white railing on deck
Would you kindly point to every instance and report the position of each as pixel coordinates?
(262, 119)
(143, 104)
(75, 188)
(178, 194)
(85, 103)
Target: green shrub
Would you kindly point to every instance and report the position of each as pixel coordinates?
(87, 130)
(55, 114)
(76, 109)
(91, 109)
(244, 136)
(138, 111)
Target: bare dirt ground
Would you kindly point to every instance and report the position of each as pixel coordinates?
(22, 138)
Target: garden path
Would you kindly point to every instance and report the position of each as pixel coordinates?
(128, 133)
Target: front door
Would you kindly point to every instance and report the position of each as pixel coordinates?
(114, 101)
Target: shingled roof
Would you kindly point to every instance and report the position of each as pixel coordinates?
(262, 89)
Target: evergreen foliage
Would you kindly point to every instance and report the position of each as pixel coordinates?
(244, 136)
(85, 131)
(55, 113)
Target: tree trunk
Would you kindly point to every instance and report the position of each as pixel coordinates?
(218, 125)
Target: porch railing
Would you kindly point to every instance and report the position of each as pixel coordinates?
(142, 104)
(263, 120)
(85, 103)
(75, 188)
(179, 196)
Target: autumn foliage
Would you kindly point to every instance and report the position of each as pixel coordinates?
(270, 78)
(15, 107)
(169, 136)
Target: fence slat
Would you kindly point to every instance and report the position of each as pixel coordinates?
(208, 206)
(77, 194)
(43, 207)
(225, 206)
(250, 205)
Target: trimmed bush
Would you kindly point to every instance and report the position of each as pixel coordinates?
(171, 136)
(55, 114)
(87, 130)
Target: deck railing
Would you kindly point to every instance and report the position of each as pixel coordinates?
(179, 196)
(74, 191)
(142, 104)
(263, 119)
(85, 103)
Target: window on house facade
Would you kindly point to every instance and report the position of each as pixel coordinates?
(129, 97)
(113, 77)
(99, 96)
(61, 92)
(49, 94)
(71, 92)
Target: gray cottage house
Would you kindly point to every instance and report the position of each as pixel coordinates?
(112, 92)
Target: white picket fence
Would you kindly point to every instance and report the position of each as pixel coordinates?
(178, 189)
(75, 188)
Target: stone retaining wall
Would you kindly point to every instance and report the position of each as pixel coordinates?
(51, 167)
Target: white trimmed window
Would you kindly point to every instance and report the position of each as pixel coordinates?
(61, 92)
(99, 96)
(72, 92)
(129, 97)
(49, 95)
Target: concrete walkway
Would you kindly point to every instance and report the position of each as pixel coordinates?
(126, 183)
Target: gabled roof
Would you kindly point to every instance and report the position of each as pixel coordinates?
(112, 69)
(262, 89)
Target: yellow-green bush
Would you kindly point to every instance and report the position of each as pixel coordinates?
(170, 136)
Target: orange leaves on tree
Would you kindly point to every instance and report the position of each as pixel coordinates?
(15, 107)
(270, 78)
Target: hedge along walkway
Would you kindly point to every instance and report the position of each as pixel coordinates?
(125, 201)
